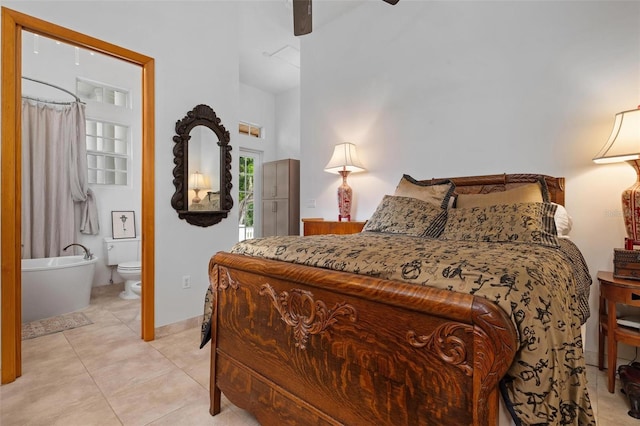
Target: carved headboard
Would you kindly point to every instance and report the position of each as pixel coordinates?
(494, 183)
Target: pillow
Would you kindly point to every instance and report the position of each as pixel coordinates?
(438, 193)
(564, 222)
(409, 216)
(535, 192)
(517, 223)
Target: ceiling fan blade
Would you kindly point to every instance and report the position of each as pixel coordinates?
(391, 1)
(302, 17)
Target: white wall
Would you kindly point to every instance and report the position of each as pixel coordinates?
(279, 116)
(189, 71)
(259, 108)
(439, 89)
(288, 124)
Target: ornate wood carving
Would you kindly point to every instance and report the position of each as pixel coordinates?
(305, 315)
(225, 280)
(445, 344)
(496, 183)
(201, 115)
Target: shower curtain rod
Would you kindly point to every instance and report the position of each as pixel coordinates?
(55, 87)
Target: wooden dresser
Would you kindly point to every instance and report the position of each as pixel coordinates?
(317, 226)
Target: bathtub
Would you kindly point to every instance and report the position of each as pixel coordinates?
(55, 286)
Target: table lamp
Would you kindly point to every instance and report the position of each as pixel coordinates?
(344, 161)
(196, 182)
(624, 145)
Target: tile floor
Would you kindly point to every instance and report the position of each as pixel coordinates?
(103, 374)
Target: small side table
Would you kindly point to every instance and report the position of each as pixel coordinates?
(615, 290)
(318, 226)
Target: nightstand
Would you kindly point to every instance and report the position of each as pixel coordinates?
(317, 226)
(615, 290)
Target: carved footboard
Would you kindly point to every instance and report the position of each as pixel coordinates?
(301, 345)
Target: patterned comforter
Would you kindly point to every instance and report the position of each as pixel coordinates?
(545, 290)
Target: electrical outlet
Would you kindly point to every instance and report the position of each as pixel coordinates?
(186, 281)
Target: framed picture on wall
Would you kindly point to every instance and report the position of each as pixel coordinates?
(123, 224)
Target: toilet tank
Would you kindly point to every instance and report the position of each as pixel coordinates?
(121, 250)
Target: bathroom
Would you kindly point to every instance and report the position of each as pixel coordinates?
(111, 92)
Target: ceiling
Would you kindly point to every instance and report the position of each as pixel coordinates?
(269, 52)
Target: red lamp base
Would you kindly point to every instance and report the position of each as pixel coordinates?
(631, 205)
(345, 195)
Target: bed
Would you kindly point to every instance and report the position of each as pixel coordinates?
(458, 291)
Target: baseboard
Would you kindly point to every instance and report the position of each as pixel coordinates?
(177, 327)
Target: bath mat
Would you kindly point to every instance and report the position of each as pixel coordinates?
(51, 325)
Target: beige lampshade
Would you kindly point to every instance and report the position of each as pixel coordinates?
(624, 142)
(624, 145)
(345, 157)
(198, 181)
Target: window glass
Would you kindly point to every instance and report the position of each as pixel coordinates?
(108, 155)
(102, 93)
(245, 196)
(250, 129)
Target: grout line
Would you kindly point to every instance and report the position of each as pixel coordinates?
(104, 396)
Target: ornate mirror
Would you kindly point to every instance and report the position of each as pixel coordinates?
(202, 175)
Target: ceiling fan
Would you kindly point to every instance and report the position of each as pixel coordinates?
(302, 16)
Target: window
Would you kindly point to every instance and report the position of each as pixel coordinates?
(250, 129)
(102, 93)
(108, 139)
(107, 152)
(245, 196)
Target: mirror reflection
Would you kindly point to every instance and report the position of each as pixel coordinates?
(204, 170)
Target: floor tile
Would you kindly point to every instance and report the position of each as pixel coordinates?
(39, 404)
(197, 413)
(118, 376)
(153, 399)
(95, 412)
(182, 348)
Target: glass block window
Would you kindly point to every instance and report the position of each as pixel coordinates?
(98, 92)
(250, 129)
(108, 154)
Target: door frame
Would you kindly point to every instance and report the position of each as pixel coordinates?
(257, 188)
(13, 24)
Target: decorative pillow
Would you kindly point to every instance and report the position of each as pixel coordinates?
(438, 193)
(564, 222)
(409, 216)
(536, 192)
(517, 223)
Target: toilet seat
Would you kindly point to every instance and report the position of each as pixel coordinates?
(130, 266)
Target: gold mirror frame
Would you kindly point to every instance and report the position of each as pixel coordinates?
(13, 24)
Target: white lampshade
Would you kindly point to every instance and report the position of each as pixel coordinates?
(624, 145)
(624, 142)
(197, 181)
(345, 157)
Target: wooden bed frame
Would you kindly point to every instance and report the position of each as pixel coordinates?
(298, 345)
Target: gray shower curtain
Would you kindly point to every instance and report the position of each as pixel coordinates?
(56, 199)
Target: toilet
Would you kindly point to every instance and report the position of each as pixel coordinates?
(126, 254)
(136, 287)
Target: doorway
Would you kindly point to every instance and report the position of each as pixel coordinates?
(249, 194)
(13, 25)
